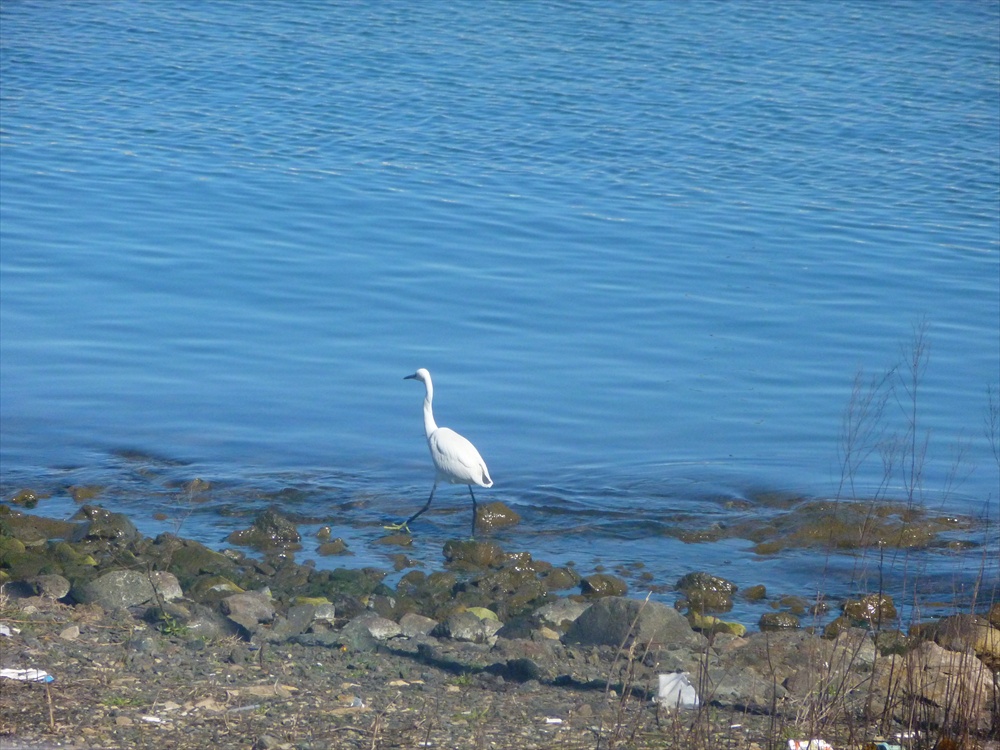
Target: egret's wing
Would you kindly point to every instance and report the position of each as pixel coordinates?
(457, 459)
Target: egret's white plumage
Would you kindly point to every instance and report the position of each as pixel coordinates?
(456, 460)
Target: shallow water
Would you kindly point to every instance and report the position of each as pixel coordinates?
(643, 249)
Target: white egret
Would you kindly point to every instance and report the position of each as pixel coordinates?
(456, 459)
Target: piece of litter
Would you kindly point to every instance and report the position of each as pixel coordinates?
(152, 719)
(676, 691)
(26, 675)
(8, 631)
(552, 720)
(809, 745)
(357, 703)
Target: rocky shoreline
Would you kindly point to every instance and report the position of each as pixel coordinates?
(166, 643)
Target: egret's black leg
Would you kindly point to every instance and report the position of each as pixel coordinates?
(426, 505)
(474, 513)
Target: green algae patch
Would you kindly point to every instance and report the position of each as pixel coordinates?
(845, 525)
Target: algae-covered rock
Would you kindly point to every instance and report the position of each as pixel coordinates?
(755, 593)
(710, 624)
(100, 523)
(333, 547)
(771, 621)
(397, 540)
(33, 530)
(603, 584)
(472, 554)
(84, 493)
(496, 515)
(190, 561)
(269, 531)
(707, 593)
(559, 579)
(27, 498)
(846, 525)
(872, 610)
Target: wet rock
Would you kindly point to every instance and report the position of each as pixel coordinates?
(26, 498)
(873, 610)
(84, 493)
(510, 590)
(33, 530)
(771, 621)
(496, 515)
(249, 609)
(614, 620)
(412, 624)
(559, 579)
(53, 586)
(473, 555)
(707, 593)
(755, 593)
(335, 584)
(561, 613)
(334, 547)
(398, 540)
(100, 523)
(128, 588)
(603, 584)
(270, 531)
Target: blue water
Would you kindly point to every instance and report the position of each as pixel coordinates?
(644, 249)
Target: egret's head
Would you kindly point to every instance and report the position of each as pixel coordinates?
(422, 375)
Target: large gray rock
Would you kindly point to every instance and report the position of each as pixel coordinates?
(249, 609)
(128, 588)
(562, 612)
(465, 626)
(614, 620)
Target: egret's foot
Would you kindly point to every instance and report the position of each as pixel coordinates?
(398, 527)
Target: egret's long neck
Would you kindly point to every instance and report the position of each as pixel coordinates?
(429, 424)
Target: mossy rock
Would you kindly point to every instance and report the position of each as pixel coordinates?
(100, 523)
(603, 584)
(333, 547)
(774, 621)
(559, 579)
(707, 593)
(84, 493)
(755, 593)
(27, 498)
(189, 560)
(496, 515)
(270, 531)
(873, 610)
(34, 530)
(473, 555)
(710, 624)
